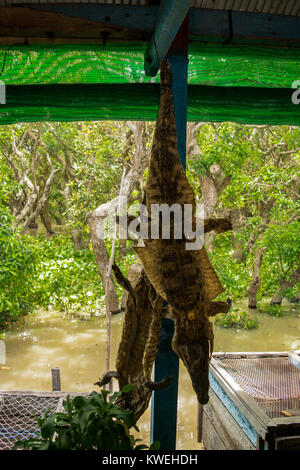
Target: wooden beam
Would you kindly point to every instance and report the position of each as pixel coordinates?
(170, 17)
(130, 17)
(138, 23)
(265, 29)
(56, 384)
(18, 24)
(239, 27)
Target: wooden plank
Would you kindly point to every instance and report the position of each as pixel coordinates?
(294, 358)
(56, 384)
(220, 430)
(199, 421)
(208, 25)
(205, 24)
(239, 27)
(251, 425)
(37, 26)
(125, 16)
(210, 436)
(251, 416)
(287, 443)
(249, 355)
(265, 28)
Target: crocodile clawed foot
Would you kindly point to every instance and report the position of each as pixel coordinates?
(159, 385)
(106, 378)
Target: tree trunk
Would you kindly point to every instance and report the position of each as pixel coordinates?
(102, 261)
(139, 163)
(237, 220)
(255, 283)
(46, 219)
(284, 285)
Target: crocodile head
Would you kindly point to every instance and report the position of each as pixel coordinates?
(194, 351)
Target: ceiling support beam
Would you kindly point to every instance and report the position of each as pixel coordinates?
(115, 22)
(170, 16)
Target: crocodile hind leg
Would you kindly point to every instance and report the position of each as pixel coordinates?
(218, 306)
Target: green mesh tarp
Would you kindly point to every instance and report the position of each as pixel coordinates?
(208, 65)
(140, 102)
(108, 82)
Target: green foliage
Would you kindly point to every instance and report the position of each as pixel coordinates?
(281, 258)
(48, 272)
(95, 422)
(233, 275)
(260, 165)
(273, 310)
(18, 257)
(97, 166)
(66, 279)
(226, 144)
(235, 319)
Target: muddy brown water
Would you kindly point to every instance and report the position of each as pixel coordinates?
(48, 339)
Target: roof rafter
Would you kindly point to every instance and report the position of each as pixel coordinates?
(171, 14)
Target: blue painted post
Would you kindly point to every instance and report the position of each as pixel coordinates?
(164, 402)
(170, 16)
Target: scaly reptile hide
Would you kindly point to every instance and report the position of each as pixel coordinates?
(184, 278)
(139, 344)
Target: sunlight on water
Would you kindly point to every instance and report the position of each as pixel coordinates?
(49, 339)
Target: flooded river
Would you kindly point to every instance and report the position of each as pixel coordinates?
(48, 339)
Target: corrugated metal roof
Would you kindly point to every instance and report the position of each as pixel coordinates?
(276, 7)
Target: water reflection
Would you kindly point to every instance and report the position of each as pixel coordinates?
(49, 339)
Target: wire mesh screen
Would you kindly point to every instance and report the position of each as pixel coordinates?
(17, 411)
(272, 382)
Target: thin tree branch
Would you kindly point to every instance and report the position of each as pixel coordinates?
(109, 270)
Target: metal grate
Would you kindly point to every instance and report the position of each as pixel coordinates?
(272, 382)
(17, 411)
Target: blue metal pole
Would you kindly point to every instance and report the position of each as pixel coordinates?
(164, 402)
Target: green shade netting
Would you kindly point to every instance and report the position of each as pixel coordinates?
(140, 102)
(90, 82)
(124, 63)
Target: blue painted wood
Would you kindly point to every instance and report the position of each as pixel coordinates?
(264, 28)
(170, 17)
(164, 402)
(205, 25)
(239, 417)
(294, 358)
(208, 25)
(131, 17)
(179, 66)
(247, 28)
